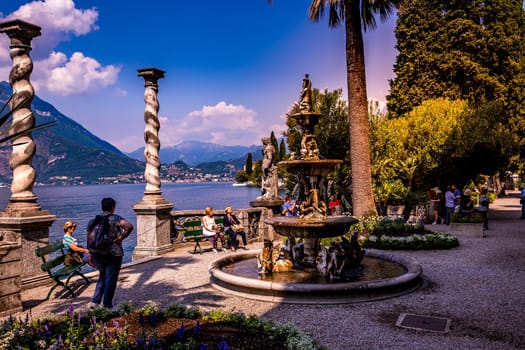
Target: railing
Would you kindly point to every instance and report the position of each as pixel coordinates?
(250, 218)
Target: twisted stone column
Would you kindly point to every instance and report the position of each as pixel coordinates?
(21, 33)
(151, 132)
(154, 229)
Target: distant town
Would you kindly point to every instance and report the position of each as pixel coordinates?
(170, 173)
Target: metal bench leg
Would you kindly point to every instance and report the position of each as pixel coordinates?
(197, 245)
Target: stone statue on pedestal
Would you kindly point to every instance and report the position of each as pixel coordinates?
(269, 185)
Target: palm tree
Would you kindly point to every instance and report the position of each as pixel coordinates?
(357, 15)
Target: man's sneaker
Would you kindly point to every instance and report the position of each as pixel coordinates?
(214, 250)
(224, 250)
(92, 305)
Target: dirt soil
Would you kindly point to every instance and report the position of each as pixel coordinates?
(210, 333)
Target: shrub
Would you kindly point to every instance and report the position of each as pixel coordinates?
(386, 233)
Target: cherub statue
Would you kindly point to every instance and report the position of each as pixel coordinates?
(305, 105)
(313, 207)
(270, 260)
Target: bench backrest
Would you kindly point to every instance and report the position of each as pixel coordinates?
(42, 252)
(193, 227)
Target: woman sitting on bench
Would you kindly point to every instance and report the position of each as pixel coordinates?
(233, 227)
(211, 229)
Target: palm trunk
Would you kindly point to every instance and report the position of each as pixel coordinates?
(362, 195)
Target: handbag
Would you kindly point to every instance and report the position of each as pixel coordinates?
(237, 228)
(73, 257)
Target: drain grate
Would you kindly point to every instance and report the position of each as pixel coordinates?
(422, 322)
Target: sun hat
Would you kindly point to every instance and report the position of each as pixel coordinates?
(228, 209)
(436, 189)
(69, 224)
(467, 192)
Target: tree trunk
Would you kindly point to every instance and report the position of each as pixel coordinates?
(362, 195)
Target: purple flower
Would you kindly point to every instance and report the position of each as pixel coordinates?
(152, 342)
(153, 319)
(141, 319)
(197, 329)
(223, 345)
(203, 346)
(180, 331)
(60, 341)
(71, 310)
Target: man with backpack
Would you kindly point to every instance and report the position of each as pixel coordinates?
(105, 234)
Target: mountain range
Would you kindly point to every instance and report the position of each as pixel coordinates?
(69, 150)
(197, 152)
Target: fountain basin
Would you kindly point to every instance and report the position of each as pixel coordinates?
(320, 167)
(332, 226)
(315, 293)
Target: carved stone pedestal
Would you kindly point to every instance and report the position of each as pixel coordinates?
(272, 208)
(10, 269)
(153, 227)
(32, 230)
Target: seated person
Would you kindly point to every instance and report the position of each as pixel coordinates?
(71, 243)
(335, 206)
(466, 204)
(210, 229)
(288, 208)
(233, 227)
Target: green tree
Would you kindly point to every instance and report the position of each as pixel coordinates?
(438, 143)
(470, 50)
(356, 16)
(249, 164)
(242, 176)
(273, 139)
(282, 150)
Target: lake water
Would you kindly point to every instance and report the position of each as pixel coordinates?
(81, 203)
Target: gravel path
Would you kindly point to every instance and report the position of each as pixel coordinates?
(480, 286)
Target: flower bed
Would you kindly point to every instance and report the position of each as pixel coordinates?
(175, 327)
(413, 242)
(387, 233)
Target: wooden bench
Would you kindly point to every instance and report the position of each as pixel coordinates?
(193, 232)
(55, 266)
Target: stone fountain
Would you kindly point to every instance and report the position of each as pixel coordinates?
(313, 223)
(305, 272)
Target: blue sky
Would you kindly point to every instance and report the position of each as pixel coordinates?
(233, 69)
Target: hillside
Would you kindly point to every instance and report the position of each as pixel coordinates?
(67, 149)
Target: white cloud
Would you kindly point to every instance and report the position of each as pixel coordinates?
(225, 124)
(58, 19)
(77, 75)
(53, 70)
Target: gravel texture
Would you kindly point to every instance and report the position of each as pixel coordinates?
(480, 286)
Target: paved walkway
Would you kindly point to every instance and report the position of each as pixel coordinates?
(480, 286)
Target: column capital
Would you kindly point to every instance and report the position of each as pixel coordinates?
(150, 75)
(20, 32)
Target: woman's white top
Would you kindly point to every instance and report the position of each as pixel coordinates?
(207, 226)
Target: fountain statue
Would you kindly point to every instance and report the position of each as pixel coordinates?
(269, 185)
(302, 271)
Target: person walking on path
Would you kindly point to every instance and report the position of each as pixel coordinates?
(449, 204)
(109, 264)
(522, 201)
(484, 207)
